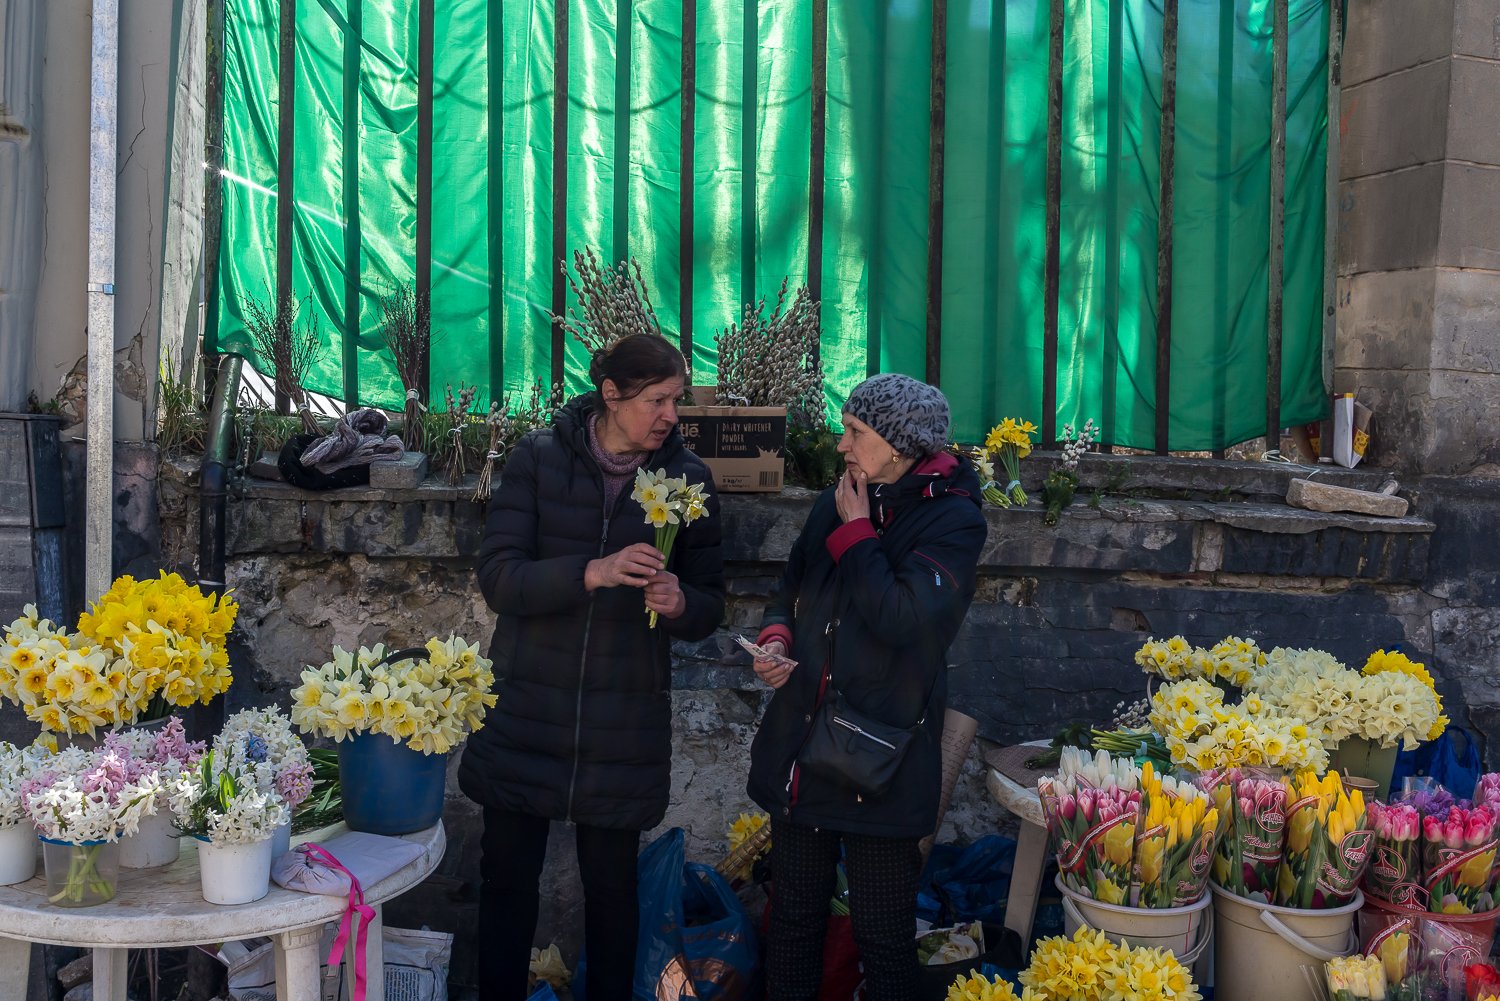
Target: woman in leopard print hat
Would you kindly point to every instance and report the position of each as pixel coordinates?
(874, 592)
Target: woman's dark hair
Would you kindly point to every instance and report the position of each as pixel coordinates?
(632, 363)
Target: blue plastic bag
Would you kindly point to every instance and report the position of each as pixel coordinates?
(695, 938)
(1452, 759)
(967, 884)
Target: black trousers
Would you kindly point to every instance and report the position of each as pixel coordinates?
(883, 875)
(514, 848)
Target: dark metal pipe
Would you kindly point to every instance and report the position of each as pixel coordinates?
(213, 476)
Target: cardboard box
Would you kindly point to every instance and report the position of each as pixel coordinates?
(744, 447)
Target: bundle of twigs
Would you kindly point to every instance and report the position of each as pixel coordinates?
(499, 424)
(612, 302)
(408, 336)
(288, 347)
(458, 418)
(774, 361)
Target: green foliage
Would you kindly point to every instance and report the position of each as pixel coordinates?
(181, 420)
(812, 457)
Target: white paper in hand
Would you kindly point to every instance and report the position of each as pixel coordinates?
(761, 653)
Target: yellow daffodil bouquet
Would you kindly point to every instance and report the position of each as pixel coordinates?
(144, 645)
(669, 504)
(429, 698)
(1009, 442)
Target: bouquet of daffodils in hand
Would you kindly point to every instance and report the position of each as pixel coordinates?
(218, 804)
(430, 698)
(1328, 844)
(669, 503)
(1175, 847)
(1009, 442)
(1092, 807)
(260, 745)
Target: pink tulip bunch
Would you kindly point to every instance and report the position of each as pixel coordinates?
(1251, 850)
(1458, 858)
(1395, 872)
(1093, 832)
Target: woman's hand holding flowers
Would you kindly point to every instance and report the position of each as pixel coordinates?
(664, 595)
(634, 566)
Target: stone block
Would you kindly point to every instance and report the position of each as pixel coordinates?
(1466, 316)
(405, 473)
(1383, 36)
(1385, 319)
(1395, 121)
(1474, 116)
(1470, 235)
(1391, 221)
(80, 970)
(1317, 496)
(1476, 28)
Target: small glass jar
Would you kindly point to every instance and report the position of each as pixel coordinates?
(81, 874)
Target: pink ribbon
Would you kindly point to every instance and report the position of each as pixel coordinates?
(356, 905)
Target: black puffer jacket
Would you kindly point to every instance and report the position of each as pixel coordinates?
(583, 729)
(896, 599)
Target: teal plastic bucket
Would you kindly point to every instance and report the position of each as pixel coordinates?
(387, 787)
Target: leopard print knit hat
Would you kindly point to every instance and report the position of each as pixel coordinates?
(911, 415)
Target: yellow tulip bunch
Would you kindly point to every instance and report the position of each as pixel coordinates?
(1328, 843)
(1176, 842)
(431, 703)
(149, 641)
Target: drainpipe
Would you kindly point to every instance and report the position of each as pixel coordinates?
(104, 94)
(213, 478)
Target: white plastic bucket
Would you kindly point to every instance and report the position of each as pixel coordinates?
(1261, 949)
(281, 841)
(234, 874)
(17, 853)
(1184, 931)
(153, 844)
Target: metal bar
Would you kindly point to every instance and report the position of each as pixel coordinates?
(1331, 190)
(286, 194)
(353, 39)
(750, 112)
(495, 173)
(818, 152)
(1164, 224)
(559, 181)
(937, 90)
(1051, 267)
(623, 26)
(1113, 128)
(423, 277)
(213, 187)
(100, 452)
(1278, 223)
(686, 175)
(874, 288)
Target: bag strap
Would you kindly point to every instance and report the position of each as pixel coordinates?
(356, 905)
(831, 631)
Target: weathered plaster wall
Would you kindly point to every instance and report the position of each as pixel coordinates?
(1049, 639)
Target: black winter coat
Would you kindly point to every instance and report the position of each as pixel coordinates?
(582, 730)
(896, 600)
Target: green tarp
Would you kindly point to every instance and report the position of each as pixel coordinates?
(354, 157)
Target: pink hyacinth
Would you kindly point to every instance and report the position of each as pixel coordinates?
(172, 745)
(1487, 791)
(294, 784)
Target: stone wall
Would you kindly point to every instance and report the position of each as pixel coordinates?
(1153, 547)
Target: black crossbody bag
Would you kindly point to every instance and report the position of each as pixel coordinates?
(850, 748)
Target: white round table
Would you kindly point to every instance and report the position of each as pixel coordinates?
(164, 907)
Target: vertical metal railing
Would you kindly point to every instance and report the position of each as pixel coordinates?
(749, 194)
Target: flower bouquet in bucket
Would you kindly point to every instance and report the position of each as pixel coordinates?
(82, 803)
(1093, 807)
(1395, 872)
(1458, 860)
(1253, 805)
(1175, 846)
(1328, 844)
(234, 822)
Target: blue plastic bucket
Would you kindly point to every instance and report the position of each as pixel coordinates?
(387, 787)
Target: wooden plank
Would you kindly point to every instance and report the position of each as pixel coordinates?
(559, 182)
(423, 268)
(1331, 190)
(686, 251)
(286, 196)
(749, 150)
(213, 186)
(818, 148)
(353, 41)
(624, 16)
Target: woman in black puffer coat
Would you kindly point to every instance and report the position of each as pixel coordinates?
(875, 590)
(582, 732)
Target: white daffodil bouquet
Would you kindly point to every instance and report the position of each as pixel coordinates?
(431, 702)
(669, 503)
